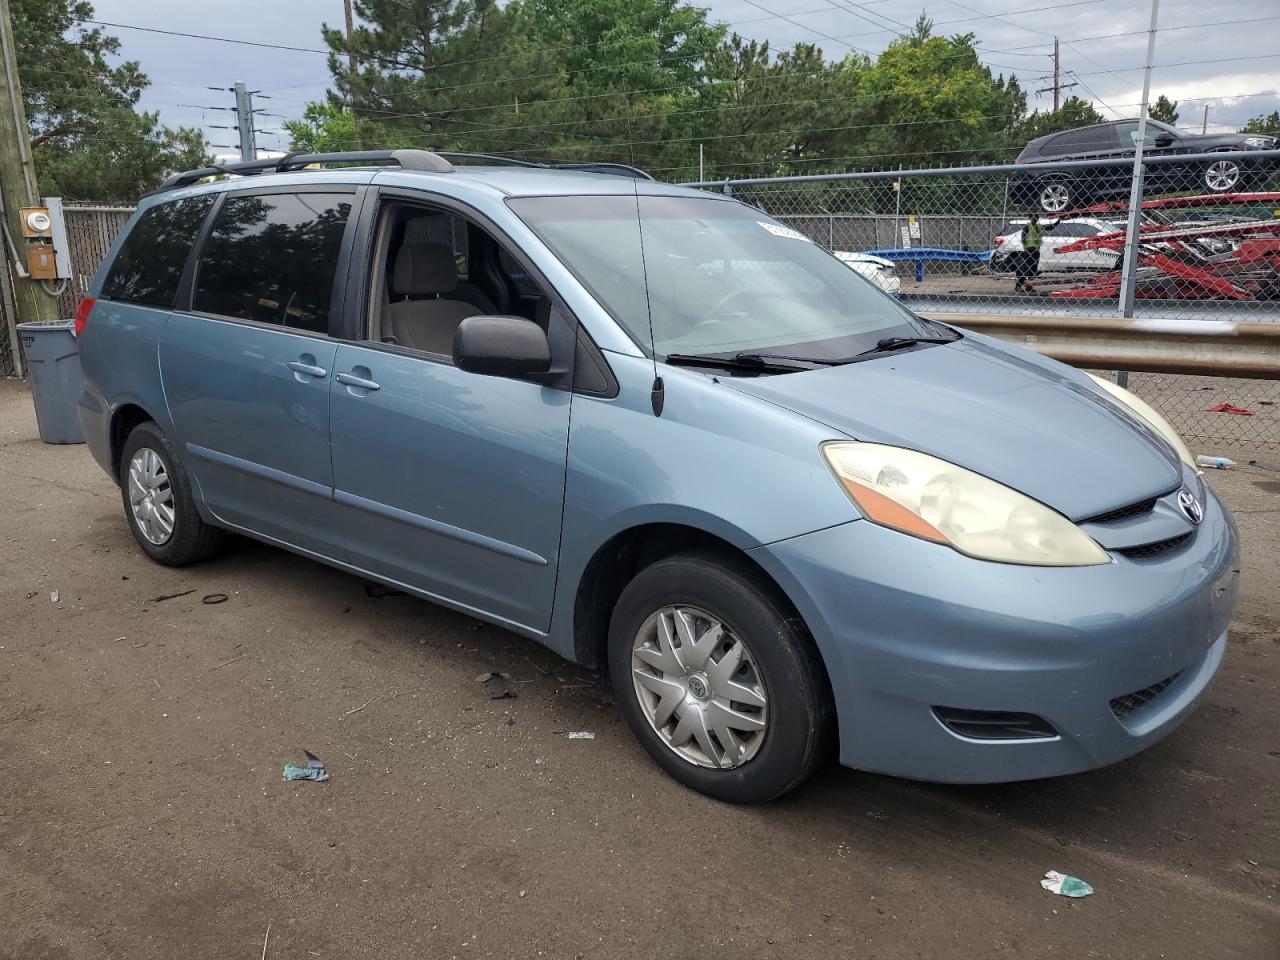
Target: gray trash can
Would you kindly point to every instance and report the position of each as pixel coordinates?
(53, 364)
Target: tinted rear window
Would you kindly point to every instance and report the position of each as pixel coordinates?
(272, 259)
(150, 262)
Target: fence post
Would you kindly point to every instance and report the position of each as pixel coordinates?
(1129, 270)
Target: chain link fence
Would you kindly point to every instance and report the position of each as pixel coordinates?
(1049, 239)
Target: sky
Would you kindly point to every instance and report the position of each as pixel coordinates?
(1222, 55)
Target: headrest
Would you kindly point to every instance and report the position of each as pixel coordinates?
(423, 268)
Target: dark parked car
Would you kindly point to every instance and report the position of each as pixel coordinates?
(1056, 190)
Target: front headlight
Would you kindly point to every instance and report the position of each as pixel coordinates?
(935, 500)
(1260, 141)
(1142, 410)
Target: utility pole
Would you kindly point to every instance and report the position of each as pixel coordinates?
(1129, 270)
(351, 74)
(1058, 86)
(351, 29)
(18, 183)
(1204, 126)
(1057, 75)
(244, 121)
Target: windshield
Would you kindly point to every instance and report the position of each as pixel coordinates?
(722, 277)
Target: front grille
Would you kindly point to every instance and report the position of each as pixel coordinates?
(1140, 509)
(1130, 703)
(994, 724)
(1149, 550)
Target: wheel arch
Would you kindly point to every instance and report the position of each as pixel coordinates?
(124, 419)
(626, 553)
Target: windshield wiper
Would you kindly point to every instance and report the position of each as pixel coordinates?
(888, 344)
(754, 362)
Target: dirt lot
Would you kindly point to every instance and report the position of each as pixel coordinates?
(142, 812)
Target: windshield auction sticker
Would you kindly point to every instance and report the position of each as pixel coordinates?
(780, 231)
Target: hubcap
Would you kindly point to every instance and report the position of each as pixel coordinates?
(1222, 175)
(1055, 197)
(699, 688)
(151, 496)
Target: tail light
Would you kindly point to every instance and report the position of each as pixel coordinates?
(999, 240)
(82, 313)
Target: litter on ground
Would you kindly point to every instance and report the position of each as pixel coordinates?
(314, 770)
(1065, 885)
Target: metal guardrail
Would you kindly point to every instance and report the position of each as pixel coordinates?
(1215, 348)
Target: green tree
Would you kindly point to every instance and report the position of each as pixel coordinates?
(933, 102)
(1074, 112)
(1268, 123)
(444, 74)
(1164, 109)
(90, 141)
(324, 127)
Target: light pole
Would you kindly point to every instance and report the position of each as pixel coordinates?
(1129, 270)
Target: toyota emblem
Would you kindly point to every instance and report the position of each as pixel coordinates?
(1190, 506)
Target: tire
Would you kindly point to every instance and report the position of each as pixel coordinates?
(1222, 176)
(149, 465)
(763, 654)
(1054, 195)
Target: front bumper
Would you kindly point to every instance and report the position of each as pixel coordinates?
(905, 626)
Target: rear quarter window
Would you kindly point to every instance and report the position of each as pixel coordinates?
(151, 260)
(272, 258)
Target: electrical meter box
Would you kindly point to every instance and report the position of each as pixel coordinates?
(41, 262)
(48, 249)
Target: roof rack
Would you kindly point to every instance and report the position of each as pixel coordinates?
(424, 160)
(615, 169)
(489, 158)
(407, 159)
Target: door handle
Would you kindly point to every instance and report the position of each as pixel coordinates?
(307, 369)
(351, 380)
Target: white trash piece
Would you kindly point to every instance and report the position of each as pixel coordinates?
(1065, 885)
(581, 735)
(1214, 463)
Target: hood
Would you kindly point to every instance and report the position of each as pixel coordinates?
(1203, 143)
(1008, 415)
(864, 258)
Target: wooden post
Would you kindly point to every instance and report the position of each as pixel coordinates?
(18, 184)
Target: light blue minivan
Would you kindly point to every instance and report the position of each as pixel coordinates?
(660, 432)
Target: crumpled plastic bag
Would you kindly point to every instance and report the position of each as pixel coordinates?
(1065, 885)
(314, 770)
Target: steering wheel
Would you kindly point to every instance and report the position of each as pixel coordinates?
(712, 314)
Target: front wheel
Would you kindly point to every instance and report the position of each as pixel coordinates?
(158, 502)
(718, 680)
(1222, 176)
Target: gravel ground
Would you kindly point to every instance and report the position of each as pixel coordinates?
(142, 813)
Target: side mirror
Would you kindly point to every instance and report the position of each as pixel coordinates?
(501, 347)
(1164, 140)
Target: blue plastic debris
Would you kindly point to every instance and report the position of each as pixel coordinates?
(314, 770)
(1065, 885)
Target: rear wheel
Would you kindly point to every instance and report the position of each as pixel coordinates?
(1222, 176)
(158, 502)
(718, 680)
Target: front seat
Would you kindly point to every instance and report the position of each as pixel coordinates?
(426, 270)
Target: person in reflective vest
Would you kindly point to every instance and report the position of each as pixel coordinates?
(1028, 264)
